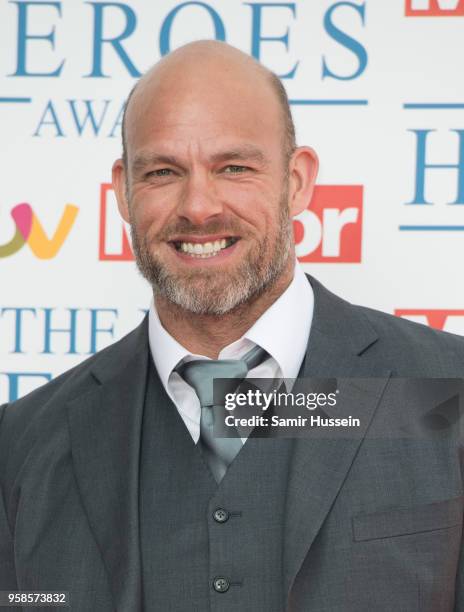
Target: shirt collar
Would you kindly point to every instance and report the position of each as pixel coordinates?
(282, 330)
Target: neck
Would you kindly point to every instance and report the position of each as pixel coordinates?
(209, 334)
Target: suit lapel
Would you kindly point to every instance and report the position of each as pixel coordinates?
(338, 346)
(105, 426)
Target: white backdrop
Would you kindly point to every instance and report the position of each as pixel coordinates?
(377, 88)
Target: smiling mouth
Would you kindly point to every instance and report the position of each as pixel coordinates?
(204, 249)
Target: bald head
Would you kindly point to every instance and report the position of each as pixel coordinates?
(191, 70)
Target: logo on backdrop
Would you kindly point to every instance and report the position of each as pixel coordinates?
(438, 189)
(455, 167)
(434, 8)
(28, 229)
(38, 52)
(330, 230)
(445, 319)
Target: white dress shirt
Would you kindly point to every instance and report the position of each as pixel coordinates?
(282, 330)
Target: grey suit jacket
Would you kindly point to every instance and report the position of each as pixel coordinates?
(373, 520)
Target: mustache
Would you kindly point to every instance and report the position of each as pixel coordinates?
(214, 227)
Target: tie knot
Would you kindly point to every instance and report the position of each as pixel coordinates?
(200, 373)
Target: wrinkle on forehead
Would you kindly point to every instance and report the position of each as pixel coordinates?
(202, 71)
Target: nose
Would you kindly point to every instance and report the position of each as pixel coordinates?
(199, 200)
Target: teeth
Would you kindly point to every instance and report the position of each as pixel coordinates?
(206, 249)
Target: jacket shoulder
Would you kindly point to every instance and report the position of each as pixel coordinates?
(418, 348)
(405, 347)
(387, 323)
(16, 416)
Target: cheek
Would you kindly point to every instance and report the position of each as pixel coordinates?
(255, 205)
(149, 212)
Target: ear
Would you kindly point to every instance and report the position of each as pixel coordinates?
(118, 173)
(303, 168)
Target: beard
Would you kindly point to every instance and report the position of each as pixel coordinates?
(217, 292)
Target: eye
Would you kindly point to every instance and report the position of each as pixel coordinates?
(233, 169)
(160, 172)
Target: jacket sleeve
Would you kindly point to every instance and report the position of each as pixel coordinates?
(7, 566)
(459, 600)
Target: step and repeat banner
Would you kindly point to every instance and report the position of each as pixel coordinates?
(376, 87)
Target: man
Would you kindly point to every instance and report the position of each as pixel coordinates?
(113, 488)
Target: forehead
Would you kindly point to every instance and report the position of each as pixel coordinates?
(201, 113)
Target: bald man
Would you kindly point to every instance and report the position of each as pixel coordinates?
(114, 486)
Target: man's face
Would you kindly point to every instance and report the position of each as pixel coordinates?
(207, 195)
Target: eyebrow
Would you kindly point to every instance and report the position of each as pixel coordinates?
(142, 160)
(242, 153)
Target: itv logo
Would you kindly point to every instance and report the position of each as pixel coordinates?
(434, 8)
(330, 230)
(28, 229)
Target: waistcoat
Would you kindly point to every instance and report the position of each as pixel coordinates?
(208, 547)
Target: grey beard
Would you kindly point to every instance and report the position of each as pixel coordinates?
(200, 292)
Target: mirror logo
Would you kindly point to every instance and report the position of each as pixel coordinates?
(434, 8)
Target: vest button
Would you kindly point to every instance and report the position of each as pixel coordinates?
(220, 515)
(221, 585)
